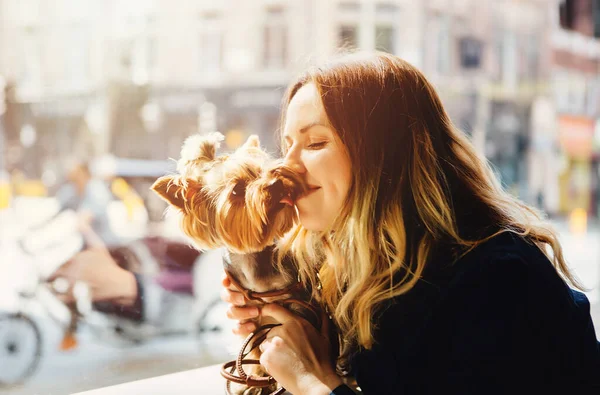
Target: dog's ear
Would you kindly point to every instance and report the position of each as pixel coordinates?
(174, 190)
(199, 149)
(252, 142)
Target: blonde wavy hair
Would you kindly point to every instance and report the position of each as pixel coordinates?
(418, 184)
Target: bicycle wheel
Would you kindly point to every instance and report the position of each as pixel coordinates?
(20, 348)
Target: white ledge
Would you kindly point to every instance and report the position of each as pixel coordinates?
(203, 381)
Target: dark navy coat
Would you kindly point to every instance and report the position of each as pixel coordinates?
(500, 320)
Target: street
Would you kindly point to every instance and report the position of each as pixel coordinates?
(97, 363)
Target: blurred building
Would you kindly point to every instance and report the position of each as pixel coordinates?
(488, 60)
(240, 55)
(134, 78)
(575, 60)
(44, 96)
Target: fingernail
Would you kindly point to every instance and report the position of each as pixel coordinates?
(253, 312)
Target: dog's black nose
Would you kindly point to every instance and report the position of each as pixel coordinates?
(276, 188)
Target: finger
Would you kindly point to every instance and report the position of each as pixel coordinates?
(235, 298)
(264, 345)
(226, 281)
(244, 329)
(242, 313)
(275, 332)
(279, 313)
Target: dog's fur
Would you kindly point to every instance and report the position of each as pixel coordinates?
(243, 202)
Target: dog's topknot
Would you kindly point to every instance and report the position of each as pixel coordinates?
(199, 148)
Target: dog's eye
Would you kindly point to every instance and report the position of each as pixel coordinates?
(239, 189)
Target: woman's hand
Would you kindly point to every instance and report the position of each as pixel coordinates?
(237, 310)
(297, 355)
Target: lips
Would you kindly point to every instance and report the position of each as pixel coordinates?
(309, 191)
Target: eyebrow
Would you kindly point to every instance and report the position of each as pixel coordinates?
(306, 127)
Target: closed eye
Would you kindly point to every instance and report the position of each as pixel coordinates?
(318, 145)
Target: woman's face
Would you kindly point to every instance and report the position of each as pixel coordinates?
(316, 152)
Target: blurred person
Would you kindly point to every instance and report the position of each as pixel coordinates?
(108, 266)
(438, 280)
(89, 197)
(119, 285)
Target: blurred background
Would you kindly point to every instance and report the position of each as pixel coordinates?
(120, 84)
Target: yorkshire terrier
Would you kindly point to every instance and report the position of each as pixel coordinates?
(243, 202)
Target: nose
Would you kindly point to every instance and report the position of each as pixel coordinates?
(276, 188)
(293, 161)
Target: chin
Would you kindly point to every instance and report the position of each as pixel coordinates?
(311, 222)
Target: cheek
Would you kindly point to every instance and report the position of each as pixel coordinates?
(343, 176)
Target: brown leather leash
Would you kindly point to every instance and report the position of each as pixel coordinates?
(242, 377)
(259, 335)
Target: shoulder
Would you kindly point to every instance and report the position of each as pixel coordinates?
(509, 280)
(508, 300)
(505, 246)
(508, 256)
(501, 308)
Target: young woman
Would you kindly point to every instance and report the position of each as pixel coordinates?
(438, 280)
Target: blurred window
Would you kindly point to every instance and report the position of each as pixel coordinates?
(529, 57)
(506, 57)
(386, 9)
(348, 36)
(275, 52)
(211, 41)
(348, 6)
(566, 12)
(582, 16)
(384, 38)
(443, 53)
(596, 16)
(349, 17)
(593, 95)
(470, 52)
(77, 56)
(386, 15)
(143, 57)
(30, 58)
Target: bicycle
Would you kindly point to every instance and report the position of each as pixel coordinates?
(21, 337)
(16, 361)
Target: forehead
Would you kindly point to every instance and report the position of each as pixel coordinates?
(305, 107)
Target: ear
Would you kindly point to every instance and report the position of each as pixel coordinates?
(252, 142)
(199, 148)
(174, 190)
